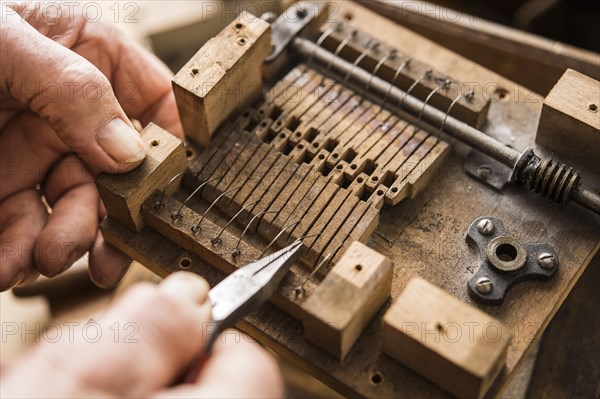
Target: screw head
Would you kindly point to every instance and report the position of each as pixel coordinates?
(546, 260)
(485, 227)
(301, 12)
(484, 285)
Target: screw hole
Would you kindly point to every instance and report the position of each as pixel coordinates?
(376, 378)
(358, 268)
(360, 180)
(348, 16)
(185, 262)
(353, 166)
(300, 146)
(238, 26)
(315, 144)
(298, 134)
(506, 252)
(154, 143)
(394, 189)
(374, 178)
(380, 192)
(593, 107)
(502, 94)
(339, 167)
(335, 155)
(321, 156)
(189, 152)
(242, 41)
(195, 71)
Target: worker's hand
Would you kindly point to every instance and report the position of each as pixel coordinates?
(147, 340)
(67, 89)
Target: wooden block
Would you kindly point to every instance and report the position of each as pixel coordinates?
(124, 194)
(223, 77)
(570, 119)
(456, 346)
(347, 299)
(473, 111)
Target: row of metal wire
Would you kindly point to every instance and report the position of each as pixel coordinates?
(371, 46)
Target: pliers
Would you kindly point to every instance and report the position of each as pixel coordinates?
(242, 292)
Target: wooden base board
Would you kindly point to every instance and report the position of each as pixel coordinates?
(429, 242)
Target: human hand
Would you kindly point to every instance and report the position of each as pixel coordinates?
(171, 321)
(67, 89)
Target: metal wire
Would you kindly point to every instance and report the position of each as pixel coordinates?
(277, 237)
(393, 82)
(236, 251)
(160, 204)
(177, 215)
(216, 239)
(196, 227)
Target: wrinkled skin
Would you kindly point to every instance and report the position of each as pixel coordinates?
(68, 90)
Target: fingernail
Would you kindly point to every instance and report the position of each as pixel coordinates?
(121, 142)
(17, 279)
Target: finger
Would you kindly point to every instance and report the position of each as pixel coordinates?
(235, 357)
(159, 332)
(28, 149)
(89, 119)
(70, 231)
(107, 265)
(22, 217)
(68, 173)
(142, 83)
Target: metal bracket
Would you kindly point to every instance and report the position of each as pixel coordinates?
(487, 169)
(288, 25)
(505, 261)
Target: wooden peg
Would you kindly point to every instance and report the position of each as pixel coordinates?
(347, 299)
(570, 119)
(124, 194)
(223, 77)
(456, 346)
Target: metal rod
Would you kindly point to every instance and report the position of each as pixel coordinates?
(432, 115)
(467, 134)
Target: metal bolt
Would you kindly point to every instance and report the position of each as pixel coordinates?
(484, 285)
(546, 260)
(485, 227)
(301, 12)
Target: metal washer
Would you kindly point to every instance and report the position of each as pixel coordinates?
(506, 266)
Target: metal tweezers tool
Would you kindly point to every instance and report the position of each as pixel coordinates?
(242, 292)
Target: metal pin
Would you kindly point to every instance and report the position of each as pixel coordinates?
(393, 82)
(160, 204)
(470, 96)
(216, 239)
(282, 230)
(196, 227)
(299, 290)
(236, 251)
(383, 60)
(177, 215)
(274, 240)
(446, 116)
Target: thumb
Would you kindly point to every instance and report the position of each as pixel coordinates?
(71, 94)
(142, 342)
